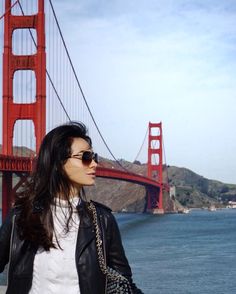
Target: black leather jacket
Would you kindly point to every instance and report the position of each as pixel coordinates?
(19, 254)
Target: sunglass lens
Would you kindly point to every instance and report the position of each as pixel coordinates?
(88, 156)
(95, 157)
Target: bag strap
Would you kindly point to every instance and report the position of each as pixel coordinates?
(101, 259)
(114, 275)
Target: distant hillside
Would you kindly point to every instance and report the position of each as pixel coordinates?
(21, 151)
(191, 189)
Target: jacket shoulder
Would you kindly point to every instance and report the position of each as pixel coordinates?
(102, 206)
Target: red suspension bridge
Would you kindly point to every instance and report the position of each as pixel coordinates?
(35, 92)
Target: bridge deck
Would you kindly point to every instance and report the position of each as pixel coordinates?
(25, 164)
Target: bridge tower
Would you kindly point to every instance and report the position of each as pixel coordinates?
(154, 167)
(35, 111)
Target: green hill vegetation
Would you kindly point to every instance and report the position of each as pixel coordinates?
(191, 190)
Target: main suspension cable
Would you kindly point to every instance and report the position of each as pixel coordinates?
(81, 90)
(2, 16)
(47, 73)
(164, 151)
(140, 149)
(76, 77)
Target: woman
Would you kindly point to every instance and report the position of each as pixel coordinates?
(49, 237)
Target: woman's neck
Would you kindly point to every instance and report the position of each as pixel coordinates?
(75, 192)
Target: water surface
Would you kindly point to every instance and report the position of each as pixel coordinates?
(181, 254)
(177, 253)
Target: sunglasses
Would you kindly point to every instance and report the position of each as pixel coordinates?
(87, 157)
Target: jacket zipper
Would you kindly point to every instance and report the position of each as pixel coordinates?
(11, 245)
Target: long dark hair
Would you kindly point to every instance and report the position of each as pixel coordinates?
(48, 180)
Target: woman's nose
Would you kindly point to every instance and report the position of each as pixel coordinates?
(93, 163)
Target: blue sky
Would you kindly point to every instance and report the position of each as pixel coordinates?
(170, 61)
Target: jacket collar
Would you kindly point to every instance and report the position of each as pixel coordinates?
(86, 228)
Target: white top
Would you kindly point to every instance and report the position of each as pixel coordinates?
(55, 271)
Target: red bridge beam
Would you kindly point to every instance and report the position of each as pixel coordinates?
(25, 164)
(115, 174)
(15, 163)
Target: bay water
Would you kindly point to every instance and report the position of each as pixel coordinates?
(191, 253)
(182, 253)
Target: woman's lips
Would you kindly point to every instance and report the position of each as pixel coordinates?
(93, 174)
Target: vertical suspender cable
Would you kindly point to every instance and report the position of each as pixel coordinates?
(82, 93)
(164, 151)
(140, 149)
(2, 16)
(54, 88)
